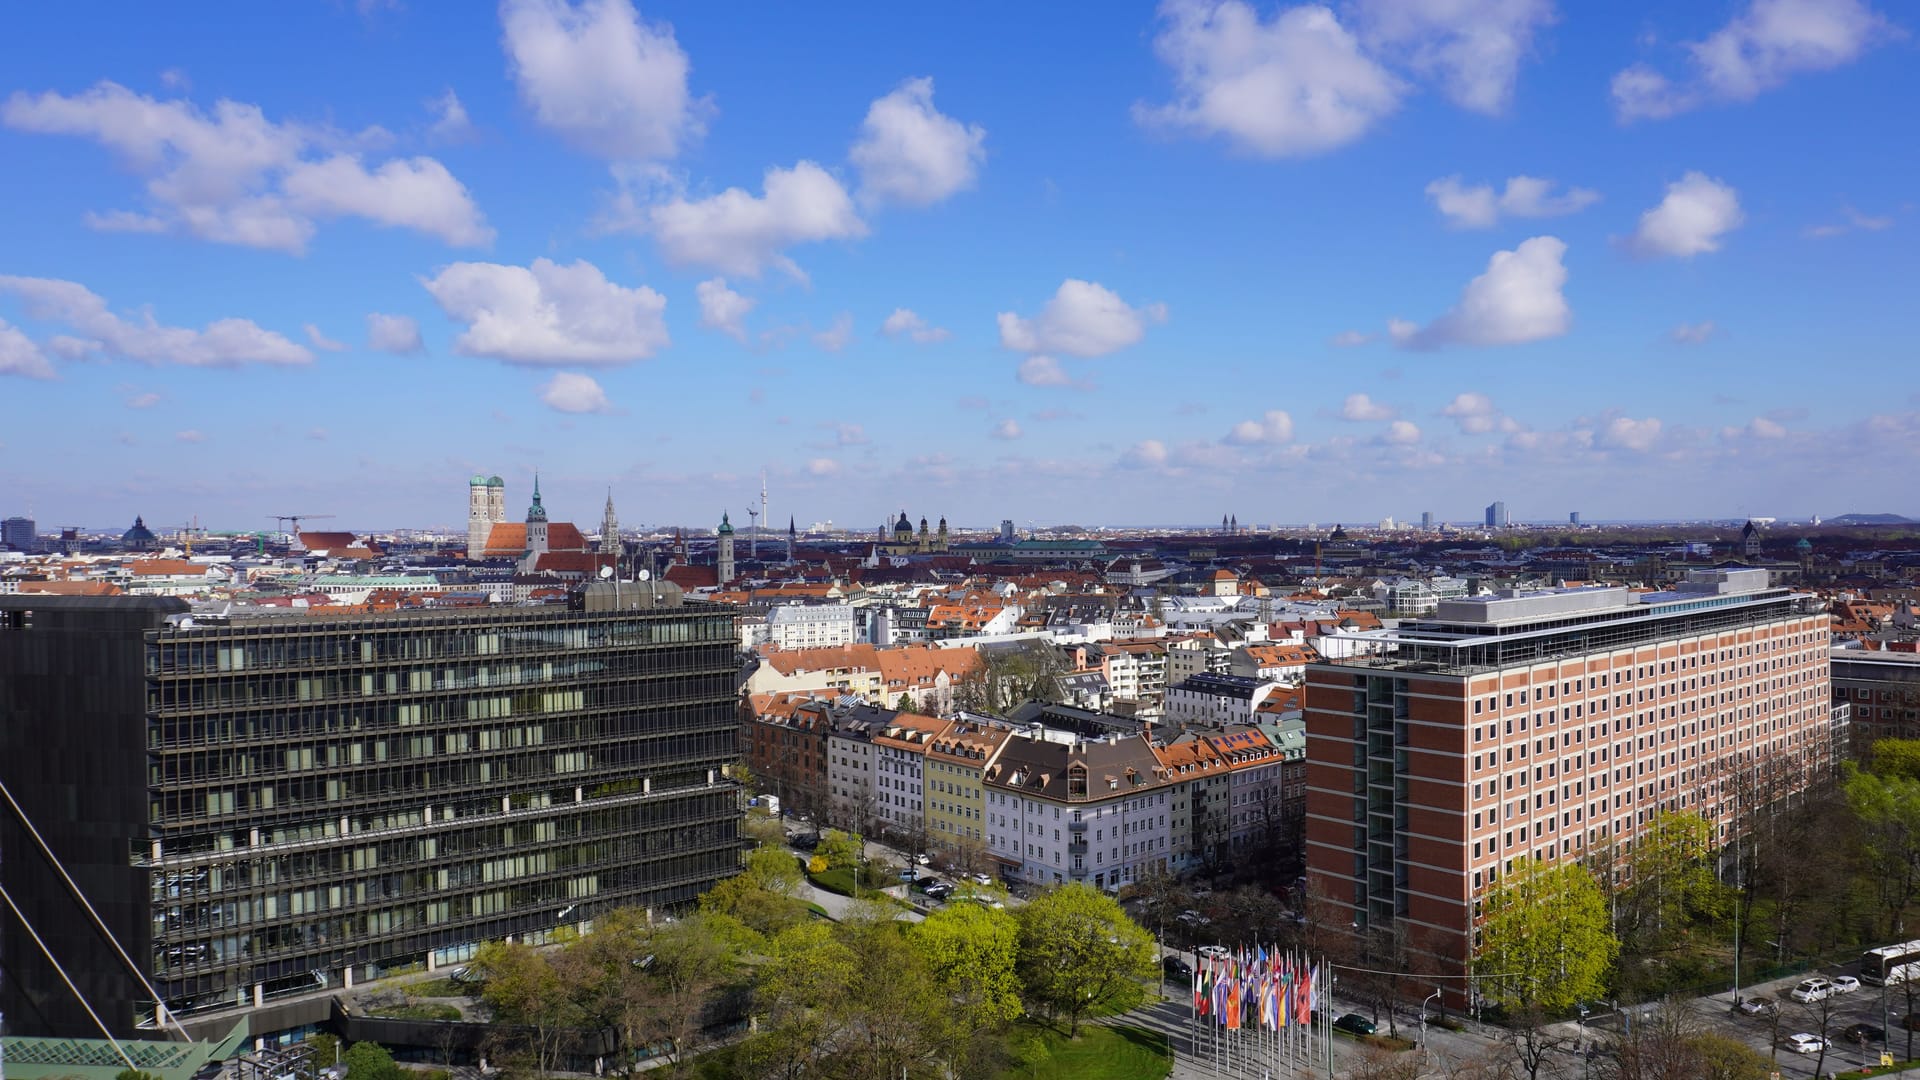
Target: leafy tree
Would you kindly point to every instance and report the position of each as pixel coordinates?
(1888, 811)
(1027, 671)
(763, 896)
(526, 987)
(369, 1061)
(841, 850)
(799, 987)
(971, 951)
(1545, 939)
(1722, 1057)
(1077, 947)
(1673, 880)
(1896, 757)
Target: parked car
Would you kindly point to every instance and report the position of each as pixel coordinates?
(1804, 1043)
(1811, 990)
(1845, 984)
(908, 873)
(925, 883)
(807, 841)
(923, 859)
(1864, 1033)
(1354, 1024)
(939, 890)
(1210, 950)
(1177, 968)
(984, 879)
(1756, 1006)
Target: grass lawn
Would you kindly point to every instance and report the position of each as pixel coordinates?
(1100, 1053)
(439, 988)
(416, 1011)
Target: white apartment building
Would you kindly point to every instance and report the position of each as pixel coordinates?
(1061, 808)
(812, 626)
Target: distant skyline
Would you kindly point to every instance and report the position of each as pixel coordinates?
(1639, 260)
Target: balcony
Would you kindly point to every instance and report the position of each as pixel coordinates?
(1077, 845)
(1077, 826)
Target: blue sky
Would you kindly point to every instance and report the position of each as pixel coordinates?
(1066, 263)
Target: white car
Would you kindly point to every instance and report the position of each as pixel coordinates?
(1804, 1043)
(1212, 950)
(1845, 984)
(1811, 990)
(923, 859)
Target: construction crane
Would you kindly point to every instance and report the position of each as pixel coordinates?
(296, 519)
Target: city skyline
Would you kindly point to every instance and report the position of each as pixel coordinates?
(1568, 259)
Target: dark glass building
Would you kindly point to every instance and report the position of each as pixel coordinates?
(261, 807)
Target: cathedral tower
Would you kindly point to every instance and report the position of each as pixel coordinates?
(724, 564)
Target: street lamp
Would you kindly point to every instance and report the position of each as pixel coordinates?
(1423, 1024)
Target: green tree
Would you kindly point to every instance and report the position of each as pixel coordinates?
(1545, 938)
(1078, 948)
(525, 986)
(1672, 881)
(805, 973)
(1888, 811)
(840, 849)
(971, 951)
(1896, 757)
(370, 1061)
(763, 896)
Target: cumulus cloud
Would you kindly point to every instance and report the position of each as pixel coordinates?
(1626, 433)
(1272, 428)
(846, 434)
(905, 323)
(322, 341)
(145, 400)
(450, 123)
(1360, 407)
(398, 334)
(1472, 47)
(549, 314)
(1760, 427)
(1401, 433)
(1347, 339)
(1145, 454)
(1517, 300)
(1762, 47)
(835, 337)
(908, 152)
(1475, 414)
(1692, 333)
(737, 232)
(1043, 371)
(603, 80)
(1696, 212)
(723, 309)
(1478, 206)
(222, 343)
(235, 177)
(1083, 319)
(822, 466)
(1293, 85)
(569, 392)
(189, 436)
(1007, 429)
(20, 356)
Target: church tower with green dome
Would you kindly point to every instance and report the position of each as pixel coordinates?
(723, 564)
(486, 507)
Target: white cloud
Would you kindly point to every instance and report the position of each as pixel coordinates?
(1360, 407)
(223, 343)
(569, 392)
(738, 232)
(20, 356)
(398, 334)
(1007, 429)
(1273, 427)
(1697, 211)
(845, 434)
(1761, 427)
(1692, 333)
(1474, 47)
(606, 82)
(822, 466)
(450, 122)
(905, 323)
(189, 436)
(1626, 433)
(322, 341)
(1478, 207)
(1854, 220)
(1082, 319)
(1347, 339)
(145, 400)
(1401, 433)
(1757, 51)
(1293, 85)
(723, 309)
(1517, 300)
(550, 314)
(1474, 412)
(1145, 454)
(1043, 371)
(235, 177)
(835, 337)
(909, 153)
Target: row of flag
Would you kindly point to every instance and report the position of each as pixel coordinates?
(1254, 988)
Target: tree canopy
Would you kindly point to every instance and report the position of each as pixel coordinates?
(1545, 939)
(1077, 947)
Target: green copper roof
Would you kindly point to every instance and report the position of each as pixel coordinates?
(726, 527)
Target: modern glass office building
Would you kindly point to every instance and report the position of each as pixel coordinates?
(260, 807)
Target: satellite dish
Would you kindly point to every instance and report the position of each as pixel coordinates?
(606, 572)
(645, 575)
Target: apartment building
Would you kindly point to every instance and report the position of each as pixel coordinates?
(852, 774)
(1544, 724)
(900, 765)
(1064, 807)
(1883, 690)
(1216, 699)
(262, 806)
(813, 626)
(956, 801)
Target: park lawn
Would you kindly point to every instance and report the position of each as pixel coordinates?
(1101, 1052)
(840, 880)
